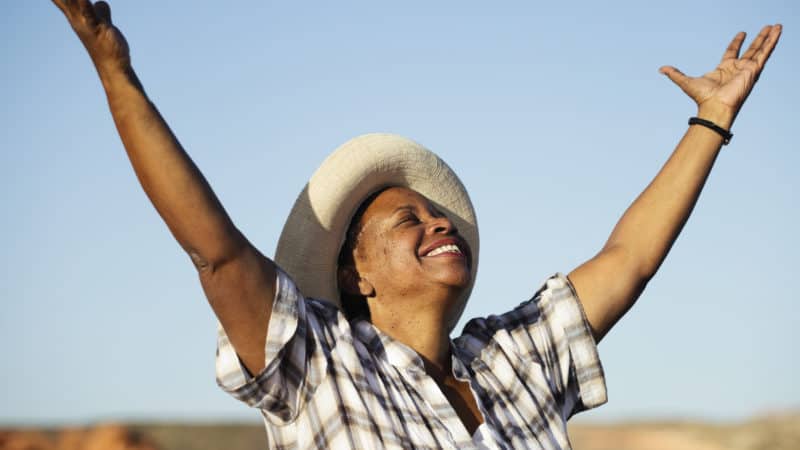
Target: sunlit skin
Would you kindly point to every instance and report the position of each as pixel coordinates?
(413, 296)
(398, 231)
(410, 296)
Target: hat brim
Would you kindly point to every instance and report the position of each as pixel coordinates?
(309, 246)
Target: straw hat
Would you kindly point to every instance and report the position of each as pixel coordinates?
(312, 237)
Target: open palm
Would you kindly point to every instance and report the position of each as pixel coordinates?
(731, 82)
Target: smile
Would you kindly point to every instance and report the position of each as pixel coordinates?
(447, 248)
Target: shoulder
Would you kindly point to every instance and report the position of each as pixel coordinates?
(289, 296)
(554, 306)
(300, 318)
(555, 290)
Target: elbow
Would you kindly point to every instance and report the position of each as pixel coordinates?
(209, 260)
(637, 266)
(200, 263)
(647, 269)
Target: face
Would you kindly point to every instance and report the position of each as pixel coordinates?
(407, 248)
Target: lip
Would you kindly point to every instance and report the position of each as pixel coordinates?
(454, 241)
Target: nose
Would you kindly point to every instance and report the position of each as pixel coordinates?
(442, 225)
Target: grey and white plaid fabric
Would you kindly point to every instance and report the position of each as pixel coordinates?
(333, 384)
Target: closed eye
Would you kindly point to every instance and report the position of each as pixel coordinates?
(408, 219)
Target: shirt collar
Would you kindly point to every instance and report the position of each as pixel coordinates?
(399, 355)
(383, 346)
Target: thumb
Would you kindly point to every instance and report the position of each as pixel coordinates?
(678, 78)
(675, 75)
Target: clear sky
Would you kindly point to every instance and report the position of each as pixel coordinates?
(553, 114)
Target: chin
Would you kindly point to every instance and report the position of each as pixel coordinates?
(460, 282)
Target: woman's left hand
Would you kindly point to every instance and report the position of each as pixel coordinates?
(724, 90)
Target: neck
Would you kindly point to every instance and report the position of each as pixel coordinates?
(420, 324)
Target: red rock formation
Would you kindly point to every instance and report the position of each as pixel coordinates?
(25, 440)
(101, 437)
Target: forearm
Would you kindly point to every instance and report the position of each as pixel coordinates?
(652, 223)
(173, 183)
(611, 281)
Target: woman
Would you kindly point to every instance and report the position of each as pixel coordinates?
(386, 373)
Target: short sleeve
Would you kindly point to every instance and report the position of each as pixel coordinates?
(549, 334)
(580, 369)
(294, 360)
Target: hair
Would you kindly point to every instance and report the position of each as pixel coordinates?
(355, 306)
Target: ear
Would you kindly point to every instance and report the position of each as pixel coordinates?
(366, 288)
(351, 283)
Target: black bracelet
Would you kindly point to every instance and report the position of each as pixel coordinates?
(726, 135)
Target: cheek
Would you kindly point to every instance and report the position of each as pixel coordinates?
(375, 254)
(390, 252)
(382, 246)
(398, 249)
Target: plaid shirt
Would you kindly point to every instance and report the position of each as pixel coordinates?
(333, 384)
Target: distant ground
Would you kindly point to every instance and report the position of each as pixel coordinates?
(778, 432)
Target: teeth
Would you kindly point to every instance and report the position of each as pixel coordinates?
(449, 248)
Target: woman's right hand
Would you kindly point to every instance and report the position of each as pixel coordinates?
(92, 23)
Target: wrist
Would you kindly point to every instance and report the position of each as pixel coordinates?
(721, 115)
(723, 133)
(114, 77)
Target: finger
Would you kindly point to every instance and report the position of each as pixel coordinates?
(677, 77)
(60, 6)
(87, 12)
(765, 51)
(732, 52)
(68, 7)
(103, 11)
(757, 42)
(674, 74)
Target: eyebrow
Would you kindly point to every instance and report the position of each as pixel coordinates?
(434, 210)
(404, 207)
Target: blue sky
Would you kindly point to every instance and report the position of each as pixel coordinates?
(554, 116)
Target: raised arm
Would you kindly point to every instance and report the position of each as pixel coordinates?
(610, 283)
(237, 279)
